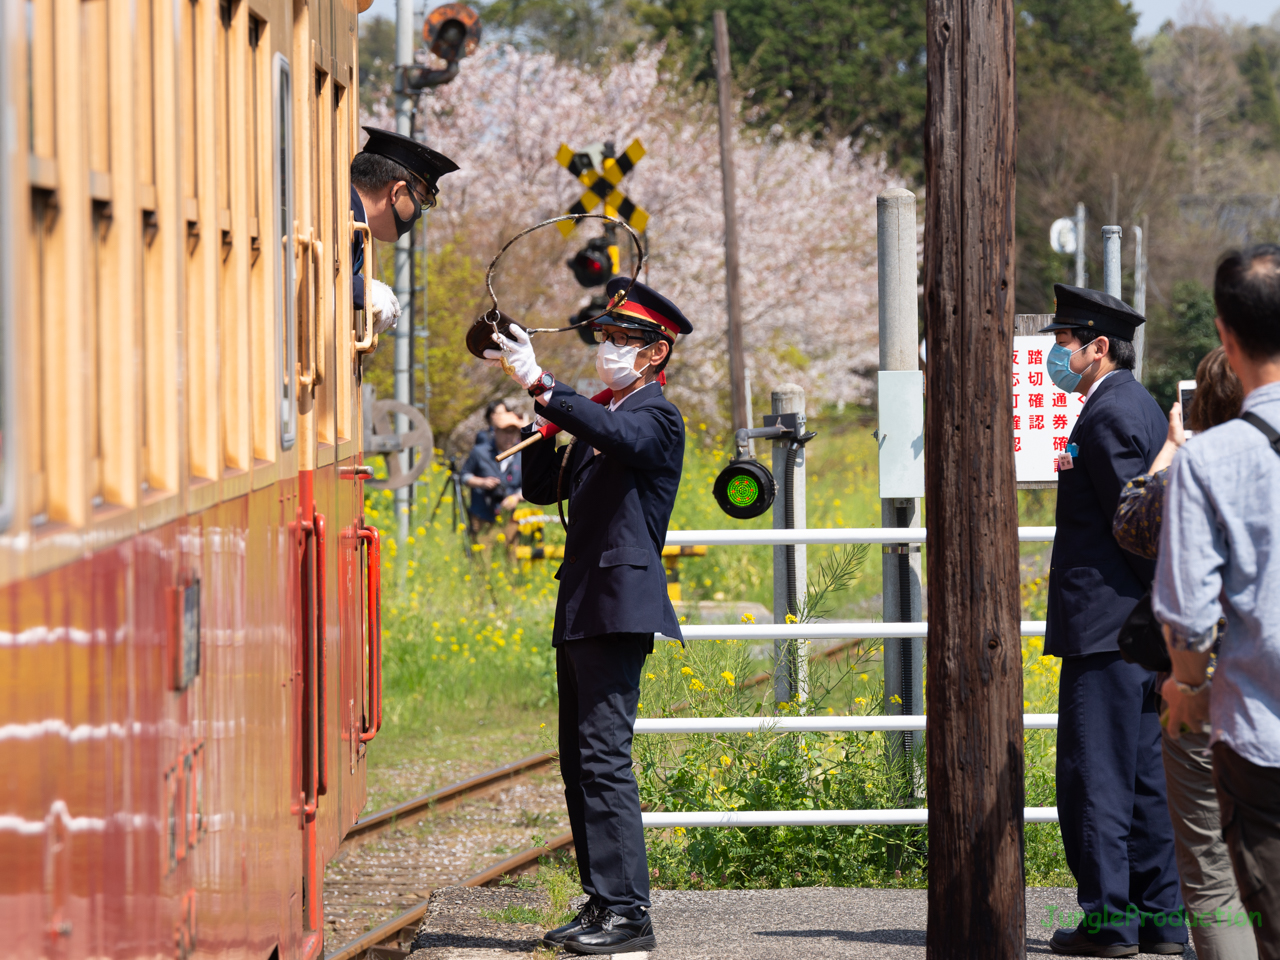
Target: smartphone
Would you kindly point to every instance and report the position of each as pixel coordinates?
(1186, 393)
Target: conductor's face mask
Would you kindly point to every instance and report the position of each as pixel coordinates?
(1059, 366)
(403, 226)
(616, 365)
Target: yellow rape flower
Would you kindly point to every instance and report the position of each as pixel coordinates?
(728, 677)
(686, 670)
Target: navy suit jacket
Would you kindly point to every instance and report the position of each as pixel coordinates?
(1093, 583)
(619, 504)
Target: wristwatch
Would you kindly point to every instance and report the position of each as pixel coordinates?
(542, 384)
(1191, 691)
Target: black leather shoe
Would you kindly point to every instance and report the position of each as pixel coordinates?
(612, 934)
(1074, 943)
(1161, 946)
(585, 918)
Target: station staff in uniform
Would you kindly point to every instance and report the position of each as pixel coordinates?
(1110, 777)
(393, 180)
(620, 477)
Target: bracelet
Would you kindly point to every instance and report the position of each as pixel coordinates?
(1191, 691)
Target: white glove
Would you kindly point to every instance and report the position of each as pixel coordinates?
(382, 304)
(516, 357)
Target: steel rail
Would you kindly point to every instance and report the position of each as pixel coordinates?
(391, 931)
(446, 798)
(818, 535)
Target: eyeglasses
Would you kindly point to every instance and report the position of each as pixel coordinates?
(430, 200)
(620, 338)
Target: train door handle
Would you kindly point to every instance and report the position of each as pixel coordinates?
(307, 376)
(317, 278)
(373, 607)
(322, 664)
(370, 341)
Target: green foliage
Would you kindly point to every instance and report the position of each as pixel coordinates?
(1081, 44)
(1178, 340)
(826, 67)
(1263, 108)
(467, 634)
(584, 31)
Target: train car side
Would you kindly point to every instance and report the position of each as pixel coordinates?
(188, 658)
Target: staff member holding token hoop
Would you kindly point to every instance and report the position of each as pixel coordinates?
(620, 476)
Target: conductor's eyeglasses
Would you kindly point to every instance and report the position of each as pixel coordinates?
(620, 338)
(429, 201)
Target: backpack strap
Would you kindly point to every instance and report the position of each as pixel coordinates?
(1267, 429)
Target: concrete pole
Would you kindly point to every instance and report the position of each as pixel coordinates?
(1139, 292)
(404, 269)
(1111, 276)
(1082, 278)
(733, 291)
(790, 660)
(900, 563)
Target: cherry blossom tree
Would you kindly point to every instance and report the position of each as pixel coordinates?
(806, 227)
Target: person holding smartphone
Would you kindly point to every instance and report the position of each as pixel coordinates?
(1209, 889)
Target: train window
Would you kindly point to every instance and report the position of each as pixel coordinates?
(286, 279)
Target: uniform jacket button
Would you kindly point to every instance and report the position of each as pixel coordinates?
(562, 404)
(571, 408)
(573, 559)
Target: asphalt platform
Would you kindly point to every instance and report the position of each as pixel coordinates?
(809, 923)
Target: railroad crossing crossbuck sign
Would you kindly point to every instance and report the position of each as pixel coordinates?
(603, 186)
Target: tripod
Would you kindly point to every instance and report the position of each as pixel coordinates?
(454, 482)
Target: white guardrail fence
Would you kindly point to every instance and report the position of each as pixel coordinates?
(833, 630)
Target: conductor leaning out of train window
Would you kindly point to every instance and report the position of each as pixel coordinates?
(393, 180)
(620, 476)
(495, 487)
(1110, 777)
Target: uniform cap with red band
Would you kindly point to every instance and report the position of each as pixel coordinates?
(645, 309)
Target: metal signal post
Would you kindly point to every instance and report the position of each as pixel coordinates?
(741, 404)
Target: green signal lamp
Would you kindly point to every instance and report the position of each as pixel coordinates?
(745, 489)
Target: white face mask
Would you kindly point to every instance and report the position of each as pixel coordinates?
(616, 365)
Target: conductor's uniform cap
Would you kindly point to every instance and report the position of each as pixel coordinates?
(645, 309)
(420, 160)
(1093, 310)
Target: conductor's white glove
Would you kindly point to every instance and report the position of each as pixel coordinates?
(382, 305)
(516, 357)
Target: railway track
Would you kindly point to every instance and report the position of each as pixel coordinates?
(389, 940)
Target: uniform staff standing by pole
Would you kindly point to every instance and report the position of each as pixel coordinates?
(620, 476)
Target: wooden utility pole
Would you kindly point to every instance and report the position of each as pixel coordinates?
(974, 687)
(737, 364)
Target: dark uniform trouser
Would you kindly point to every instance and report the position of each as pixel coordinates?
(1250, 799)
(599, 684)
(1111, 800)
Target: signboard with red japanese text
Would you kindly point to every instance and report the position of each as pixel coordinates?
(1043, 415)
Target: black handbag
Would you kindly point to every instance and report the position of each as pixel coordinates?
(1141, 638)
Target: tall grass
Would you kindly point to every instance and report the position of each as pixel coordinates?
(467, 636)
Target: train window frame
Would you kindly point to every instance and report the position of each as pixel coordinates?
(284, 202)
(8, 446)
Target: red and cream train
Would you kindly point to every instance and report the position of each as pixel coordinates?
(188, 593)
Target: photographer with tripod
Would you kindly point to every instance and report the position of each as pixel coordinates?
(495, 487)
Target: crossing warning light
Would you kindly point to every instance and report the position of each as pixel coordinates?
(744, 489)
(596, 263)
